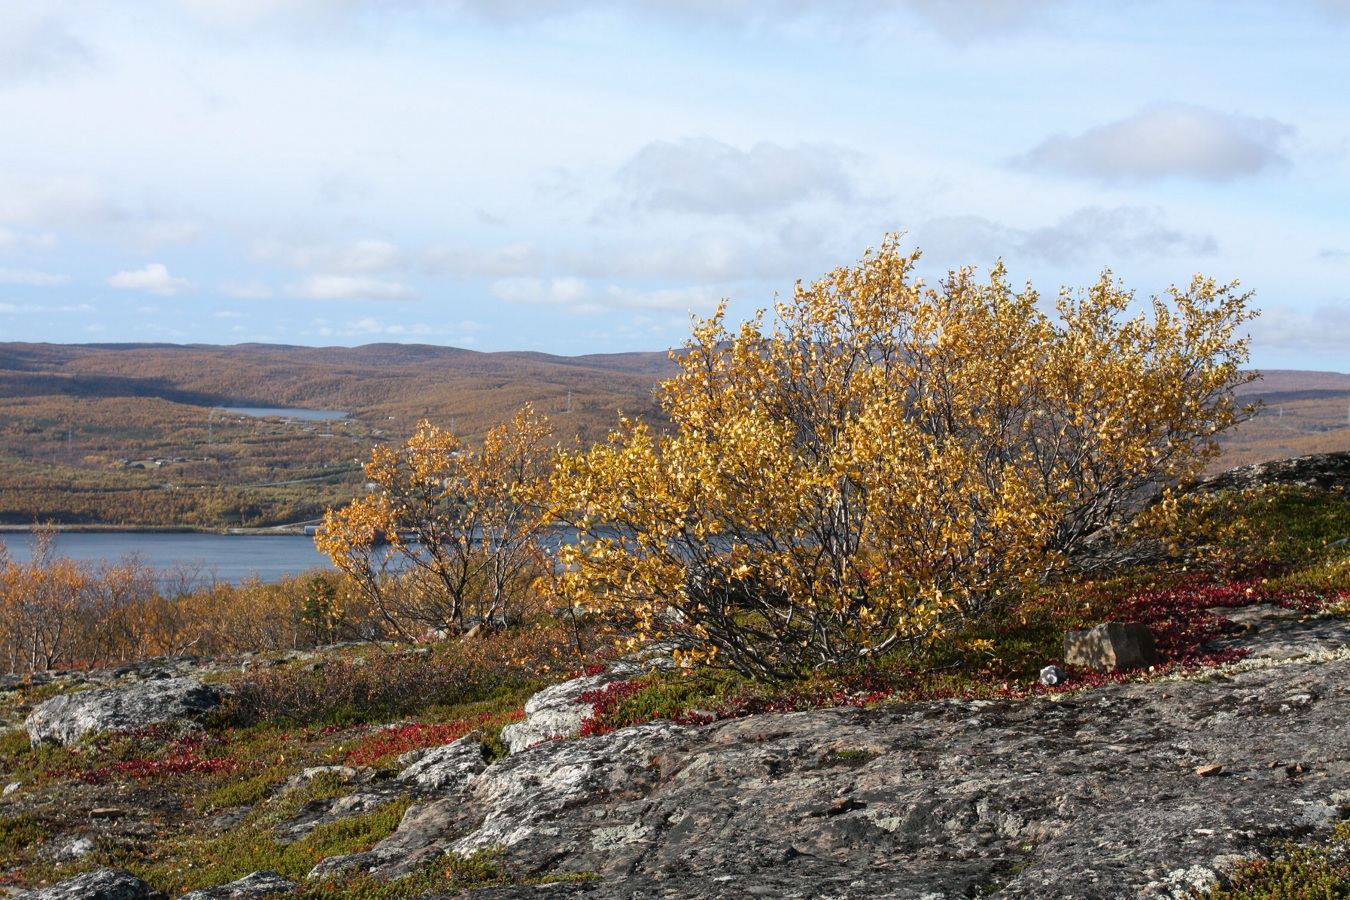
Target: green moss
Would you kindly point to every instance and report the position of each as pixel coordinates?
(19, 835)
(1319, 871)
(197, 862)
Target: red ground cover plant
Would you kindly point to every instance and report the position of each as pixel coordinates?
(151, 753)
(391, 742)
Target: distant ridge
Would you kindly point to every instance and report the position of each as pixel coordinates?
(376, 381)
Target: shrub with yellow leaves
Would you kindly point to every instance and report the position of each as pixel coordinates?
(450, 533)
(889, 455)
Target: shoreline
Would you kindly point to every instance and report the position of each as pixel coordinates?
(279, 530)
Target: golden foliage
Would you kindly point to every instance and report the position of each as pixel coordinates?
(451, 533)
(56, 612)
(889, 454)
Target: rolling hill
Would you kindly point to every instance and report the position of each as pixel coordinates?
(138, 435)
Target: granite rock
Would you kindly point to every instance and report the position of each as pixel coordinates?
(100, 884)
(67, 718)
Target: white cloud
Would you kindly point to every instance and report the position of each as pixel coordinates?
(688, 299)
(79, 202)
(578, 296)
(708, 177)
(371, 325)
(959, 20)
(36, 308)
(30, 278)
(517, 259)
(364, 256)
(350, 287)
(246, 290)
(55, 201)
(1124, 232)
(713, 256)
(707, 256)
(1325, 328)
(13, 241)
(1172, 140)
(154, 279)
(539, 292)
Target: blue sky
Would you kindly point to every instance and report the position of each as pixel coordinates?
(578, 176)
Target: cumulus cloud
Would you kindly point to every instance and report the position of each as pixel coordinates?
(1123, 232)
(1173, 140)
(517, 259)
(1325, 328)
(350, 287)
(686, 299)
(708, 177)
(153, 279)
(30, 278)
(540, 292)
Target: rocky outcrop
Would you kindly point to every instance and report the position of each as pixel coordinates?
(100, 884)
(1320, 470)
(1128, 790)
(556, 712)
(446, 768)
(68, 718)
(258, 884)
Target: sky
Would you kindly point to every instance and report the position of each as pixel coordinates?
(583, 176)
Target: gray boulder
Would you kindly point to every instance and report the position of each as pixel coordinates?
(100, 884)
(68, 718)
(556, 712)
(258, 884)
(447, 767)
(1110, 647)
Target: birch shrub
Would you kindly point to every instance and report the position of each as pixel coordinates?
(887, 455)
(451, 533)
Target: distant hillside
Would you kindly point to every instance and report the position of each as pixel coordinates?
(133, 434)
(375, 381)
(1304, 412)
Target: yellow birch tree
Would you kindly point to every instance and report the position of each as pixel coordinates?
(888, 454)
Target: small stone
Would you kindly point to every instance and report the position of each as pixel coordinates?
(11, 788)
(107, 812)
(1052, 676)
(1208, 771)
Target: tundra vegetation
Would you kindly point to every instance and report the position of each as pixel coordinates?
(877, 499)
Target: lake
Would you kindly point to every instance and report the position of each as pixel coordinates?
(308, 415)
(220, 557)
